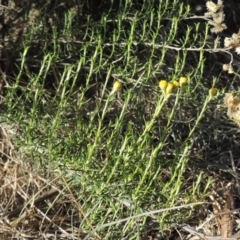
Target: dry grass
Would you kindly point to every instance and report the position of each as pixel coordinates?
(35, 203)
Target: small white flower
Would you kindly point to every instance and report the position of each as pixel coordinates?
(236, 36)
(211, 6)
(225, 67)
(230, 42)
(218, 17)
(227, 42)
(237, 50)
(218, 27)
(230, 70)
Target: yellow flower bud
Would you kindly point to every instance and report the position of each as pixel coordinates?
(182, 81)
(169, 88)
(163, 85)
(175, 84)
(116, 86)
(212, 92)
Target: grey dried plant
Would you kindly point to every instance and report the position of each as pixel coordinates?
(232, 102)
(215, 12)
(215, 17)
(232, 43)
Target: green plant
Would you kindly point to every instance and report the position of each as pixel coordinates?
(129, 147)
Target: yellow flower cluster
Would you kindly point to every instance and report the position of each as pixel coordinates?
(169, 87)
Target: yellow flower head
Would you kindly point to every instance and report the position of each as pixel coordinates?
(116, 86)
(182, 81)
(212, 92)
(175, 84)
(163, 85)
(170, 88)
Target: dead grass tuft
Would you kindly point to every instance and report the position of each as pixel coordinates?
(34, 204)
